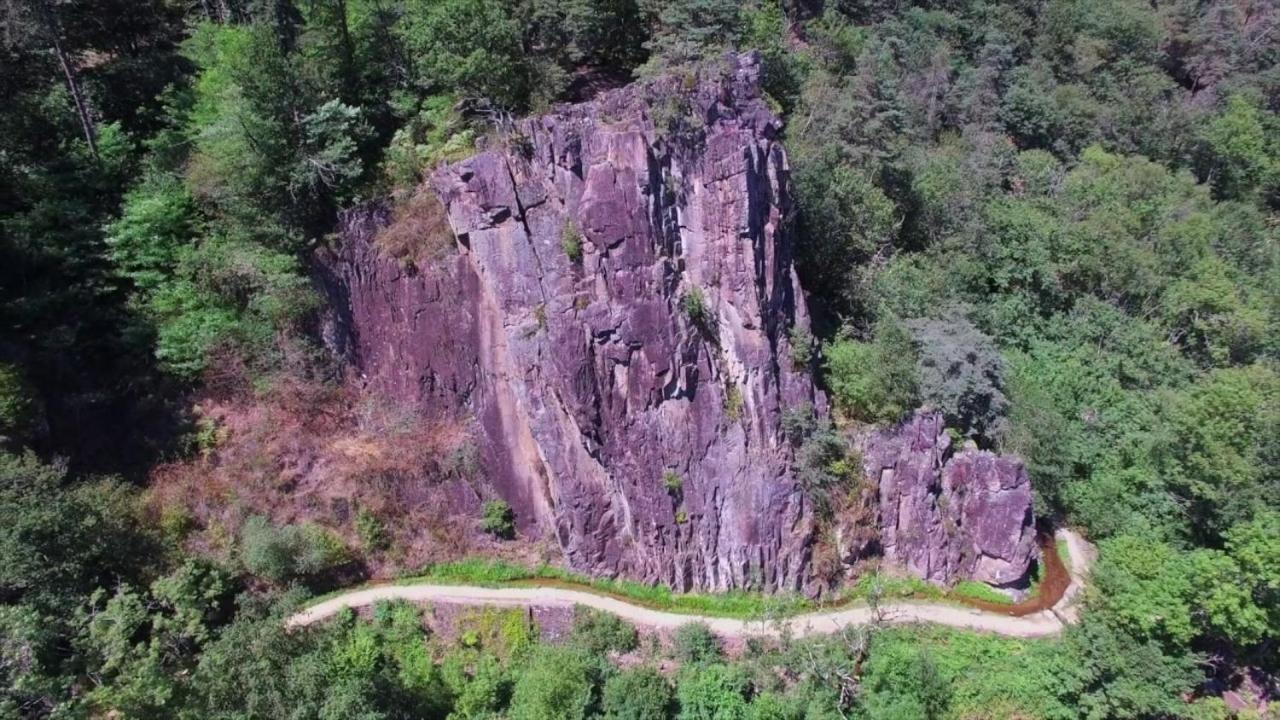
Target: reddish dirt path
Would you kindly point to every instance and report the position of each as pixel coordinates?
(1053, 584)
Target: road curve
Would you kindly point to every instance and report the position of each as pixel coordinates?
(1041, 624)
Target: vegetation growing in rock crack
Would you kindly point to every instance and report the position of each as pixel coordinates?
(571, 241)
(694, 305)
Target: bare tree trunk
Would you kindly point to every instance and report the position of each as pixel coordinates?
(73, 79)
(82, 105)
(11, 19)
(348, 46)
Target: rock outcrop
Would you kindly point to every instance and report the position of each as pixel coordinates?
(949, 516)
(615, 323)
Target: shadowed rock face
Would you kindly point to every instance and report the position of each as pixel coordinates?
(949, 516)
(587, 378)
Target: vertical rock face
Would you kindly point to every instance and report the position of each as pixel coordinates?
(945, 516)
(615, 324)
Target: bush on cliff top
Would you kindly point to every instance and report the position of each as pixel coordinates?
(875, 380)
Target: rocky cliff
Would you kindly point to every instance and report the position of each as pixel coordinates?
(611, 321)
(948, 515)
(614, 323)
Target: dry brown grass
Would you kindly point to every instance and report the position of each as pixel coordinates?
(419, 231)
(309, 452)
(853, 514)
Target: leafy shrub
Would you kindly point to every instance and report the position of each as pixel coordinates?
(713, 692)
(694, 305)
(558, 683)
(778, 706)
(229, 291)
(289, 552)
(675, 120)
(504, 632)
(673, 481)
(962, 374)
(695, 643)
(824, 462)
(802, 347)
(874, 381)
(176, 522)
(434, 131)
(600, 632)
(499, 520)
(639, 693)
(571, 241)
(373, 533)
(481, 686)
(907, 682)
(199, 595)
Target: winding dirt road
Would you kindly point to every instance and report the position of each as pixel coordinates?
(1040, 624)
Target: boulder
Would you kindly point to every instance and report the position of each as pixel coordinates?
(947, 516)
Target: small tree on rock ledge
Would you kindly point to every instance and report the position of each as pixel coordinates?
(499, 521)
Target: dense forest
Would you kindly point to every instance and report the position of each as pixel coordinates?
(1056, 220)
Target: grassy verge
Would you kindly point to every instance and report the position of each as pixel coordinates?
(975, 590)
(736, 603)
(486, 572)
(890, 587)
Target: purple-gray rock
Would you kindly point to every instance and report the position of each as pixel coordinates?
(949, 516)
(588, 378)
(641, 435)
